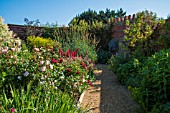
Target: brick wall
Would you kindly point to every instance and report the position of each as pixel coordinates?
(19, 30)
(117, 30)
(119, 26)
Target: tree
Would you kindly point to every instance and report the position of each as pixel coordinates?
(141, 37)
(91, 15)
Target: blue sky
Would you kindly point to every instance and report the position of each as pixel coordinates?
(62, 11)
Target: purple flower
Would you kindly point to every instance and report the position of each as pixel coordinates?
(26, 74)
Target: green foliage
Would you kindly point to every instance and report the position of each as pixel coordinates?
(164, 40)
(32, 28)
(76, 36)
(115, 61)
(148, 80)
(41, 101)
(33, 41)
(91, 15)
(103, 56)
(141, 36)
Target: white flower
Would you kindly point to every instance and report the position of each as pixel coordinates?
(41, 62)
(47, 62)
(4, 51)
(43, 68)
(62, 77)
(11, 56)
(84, 80)
(19, 77)
(42, 82)
(51, 66)
(26, 74)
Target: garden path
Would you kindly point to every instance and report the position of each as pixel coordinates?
(107, 95)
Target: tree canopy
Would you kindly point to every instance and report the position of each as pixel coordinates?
(102, 16)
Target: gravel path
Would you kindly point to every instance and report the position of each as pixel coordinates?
(107, 95)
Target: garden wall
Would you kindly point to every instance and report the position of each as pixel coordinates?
(117, 30)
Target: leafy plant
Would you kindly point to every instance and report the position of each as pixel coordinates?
(33, 41)
(103, 56)
(141, 36)
(43, 100)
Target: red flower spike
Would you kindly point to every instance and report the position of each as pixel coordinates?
(61, 52)
(85, 67)
(53, 60)
(69, 74)
(68, 70)
(61, 60)
(88, 81)
(73, 54)
(91, 84)
(12, 110)
(68, 53)
(77, 72)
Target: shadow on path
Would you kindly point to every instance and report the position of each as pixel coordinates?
(107, 95)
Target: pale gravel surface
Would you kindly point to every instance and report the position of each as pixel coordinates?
(107, 95)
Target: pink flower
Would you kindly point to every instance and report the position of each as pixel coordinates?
(43, 68)
(13, 49)
(85, 67)
(47, 62)
(41, 62)
(12, 110)
(36, 49)
(4, 50)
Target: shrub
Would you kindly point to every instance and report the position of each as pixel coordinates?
(9, 46)
(115, 61)
(153, 91)
(103, 56)
(141, 37)
(83, 46)
(66, 71)
(34, 41)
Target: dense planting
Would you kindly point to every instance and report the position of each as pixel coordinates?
(62, 75)
(145, 72)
